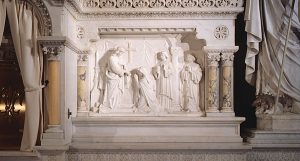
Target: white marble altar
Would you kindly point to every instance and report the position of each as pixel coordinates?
(145, 75)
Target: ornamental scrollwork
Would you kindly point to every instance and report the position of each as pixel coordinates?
(227, 58)
(213, 59)
(160, 3)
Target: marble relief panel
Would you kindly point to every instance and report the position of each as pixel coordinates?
(144, 76)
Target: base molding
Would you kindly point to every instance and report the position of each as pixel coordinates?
(276, 131)
(157, 132)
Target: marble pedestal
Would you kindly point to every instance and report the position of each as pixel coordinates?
(276, 131)
(157, 133)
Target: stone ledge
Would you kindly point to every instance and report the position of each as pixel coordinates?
(157, 146)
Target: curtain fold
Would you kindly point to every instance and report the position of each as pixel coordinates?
(24, 29)
(254, 37)
(2, 18)
(266, 27)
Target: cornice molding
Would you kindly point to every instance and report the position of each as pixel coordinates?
(221, 49)
(225, 9)
(60, 41)
(136, 31)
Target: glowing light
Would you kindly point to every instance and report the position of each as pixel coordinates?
(22, 108)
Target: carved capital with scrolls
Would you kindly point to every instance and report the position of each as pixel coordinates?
(82, 59)
(53, 47)
(227, 59)
(53, 52)
(213, 59)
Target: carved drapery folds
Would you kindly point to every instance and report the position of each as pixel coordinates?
(160, 3)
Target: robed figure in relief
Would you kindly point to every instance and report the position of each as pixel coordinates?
(163, 72)
(115, 78)
(190, 76)
(146, 101)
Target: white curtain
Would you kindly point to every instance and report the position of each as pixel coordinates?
(2, 18)
(266, 27)
(24, 29)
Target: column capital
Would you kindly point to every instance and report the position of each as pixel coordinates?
(82, 59)
(227, 59)
(52, 46)
(213, 59)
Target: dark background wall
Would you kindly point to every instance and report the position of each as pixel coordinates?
(244, 94)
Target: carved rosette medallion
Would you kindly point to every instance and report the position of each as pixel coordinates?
(221, 32)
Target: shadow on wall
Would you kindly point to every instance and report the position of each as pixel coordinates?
(244, 94)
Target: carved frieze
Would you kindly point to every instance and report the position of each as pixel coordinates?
(153, 8)
(159, 3)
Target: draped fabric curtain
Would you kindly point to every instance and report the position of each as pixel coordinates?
(2, 18)
(266, 27)
(24, 29)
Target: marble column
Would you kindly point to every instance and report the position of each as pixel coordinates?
(227, 82)
(212, 80)
(53, 90)
(82, 90)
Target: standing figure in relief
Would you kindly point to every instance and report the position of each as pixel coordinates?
(147, 101)
(190, 76)
(116, 74)
(162, 72)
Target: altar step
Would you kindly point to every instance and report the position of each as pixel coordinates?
(157, 133)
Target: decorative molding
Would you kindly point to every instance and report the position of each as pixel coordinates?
(54, 41)
(137, 4)
(221, 32)
(113, 31)
(220, 49)
(93, 9)
(43, 16)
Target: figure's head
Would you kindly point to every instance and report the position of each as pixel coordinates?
(189, 58)
(163, 56)
(119, 51)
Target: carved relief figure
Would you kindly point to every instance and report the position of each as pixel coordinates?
(146, 97)
(162, 72)
(116, 75)
(190, 76)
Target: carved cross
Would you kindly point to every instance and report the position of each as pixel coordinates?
(129, 49)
